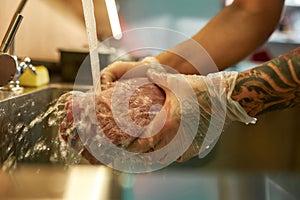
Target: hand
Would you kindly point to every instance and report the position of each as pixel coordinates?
(116, 70)
(193, 116)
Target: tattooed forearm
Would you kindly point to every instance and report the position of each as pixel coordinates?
(271, 86)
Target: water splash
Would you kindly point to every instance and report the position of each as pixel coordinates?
(23, 144)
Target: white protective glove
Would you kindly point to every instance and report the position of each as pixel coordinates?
(196, 108)
(118, 69)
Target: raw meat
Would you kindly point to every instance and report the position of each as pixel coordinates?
(142, 108)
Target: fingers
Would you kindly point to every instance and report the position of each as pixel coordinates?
(160, 78)
(177, 86)
(115, 71)
(126, 70)
(192, 151)
(160, 131)
(107, 77)
(177, 83)
(161, 141)
(152, 135)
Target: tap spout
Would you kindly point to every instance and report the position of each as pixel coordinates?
(13, 27)
(10, 34)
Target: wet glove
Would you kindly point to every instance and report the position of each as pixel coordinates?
(195, 111)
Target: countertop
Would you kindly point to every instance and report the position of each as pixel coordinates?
(100, 182)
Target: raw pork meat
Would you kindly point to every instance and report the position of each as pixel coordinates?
(141, 109)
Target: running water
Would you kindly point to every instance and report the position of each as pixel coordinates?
(24, 143)
(18, 146)
(90, 23)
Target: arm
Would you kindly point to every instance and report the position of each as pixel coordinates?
(232, 34)
(196, 108)
(272, 86)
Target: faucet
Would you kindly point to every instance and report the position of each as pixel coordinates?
(15, 70)
(21, 69)
(8, 64)
(9, 67)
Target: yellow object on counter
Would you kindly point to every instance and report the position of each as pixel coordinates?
(28, 78)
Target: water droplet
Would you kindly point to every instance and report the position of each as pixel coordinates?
(18, 140)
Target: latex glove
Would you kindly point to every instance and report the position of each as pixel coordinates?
(118, 69)
(196, 108)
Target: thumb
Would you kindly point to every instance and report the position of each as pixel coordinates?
(162, 79)
(107, 77)
(176, 83)
(157, 77)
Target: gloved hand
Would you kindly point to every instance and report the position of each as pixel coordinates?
(193, 116)
(116, 70)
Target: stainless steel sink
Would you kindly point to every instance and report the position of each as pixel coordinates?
(40, 143)
(272, 145)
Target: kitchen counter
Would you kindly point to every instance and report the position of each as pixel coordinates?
(100, 182)
(55, 182)
(249, 162)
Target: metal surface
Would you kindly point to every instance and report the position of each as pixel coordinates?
(38, 176)
(250, 162)
(54, 182)
(17, 112)
(244, 165)
(8, 65)
(13, 27)
(273, 144)
(10, 34)
(101, 183)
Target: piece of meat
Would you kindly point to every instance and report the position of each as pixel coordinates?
(143, 97)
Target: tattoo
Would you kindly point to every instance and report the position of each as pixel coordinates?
(192, 120)
(271, 86)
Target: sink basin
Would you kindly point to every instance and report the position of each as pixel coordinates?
(259, 147)
(272, 145)
(39, 169)
(40, 143)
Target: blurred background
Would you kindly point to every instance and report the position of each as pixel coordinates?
(52, 27)
(49, 25)
(267, 154)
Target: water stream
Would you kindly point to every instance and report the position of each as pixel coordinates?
(18, 145)
(90, 23)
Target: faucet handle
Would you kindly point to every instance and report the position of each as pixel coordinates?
(27, 64)
(27, 60)
(8, 66)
